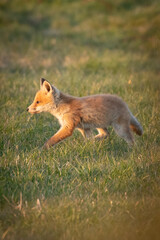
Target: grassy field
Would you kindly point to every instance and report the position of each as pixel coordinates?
(79, 189)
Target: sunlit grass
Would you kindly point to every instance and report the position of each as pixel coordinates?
(79, 189)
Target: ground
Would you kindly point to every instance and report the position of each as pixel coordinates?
(79, 189)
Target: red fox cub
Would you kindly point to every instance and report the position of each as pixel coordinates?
(84, 114)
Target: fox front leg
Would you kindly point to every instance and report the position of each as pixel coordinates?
(86, 133)
(63, 133)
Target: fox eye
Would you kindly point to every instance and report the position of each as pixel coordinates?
(38, 102)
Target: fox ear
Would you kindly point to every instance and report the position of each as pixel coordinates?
(45, 85)
(42, 81)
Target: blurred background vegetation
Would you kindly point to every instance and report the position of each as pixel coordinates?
(79, 190)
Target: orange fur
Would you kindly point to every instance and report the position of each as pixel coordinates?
(85, 113)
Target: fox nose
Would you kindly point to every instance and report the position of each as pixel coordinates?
(27, 109)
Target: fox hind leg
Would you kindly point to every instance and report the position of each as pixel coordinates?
(123, 130)
(102, 133)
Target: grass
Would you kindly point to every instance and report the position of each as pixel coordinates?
(79, 189)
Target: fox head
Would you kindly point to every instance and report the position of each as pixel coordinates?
(46, 98)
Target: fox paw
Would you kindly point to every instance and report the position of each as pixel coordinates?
(46, 146)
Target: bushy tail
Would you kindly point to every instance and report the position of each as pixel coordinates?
(136, 126)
